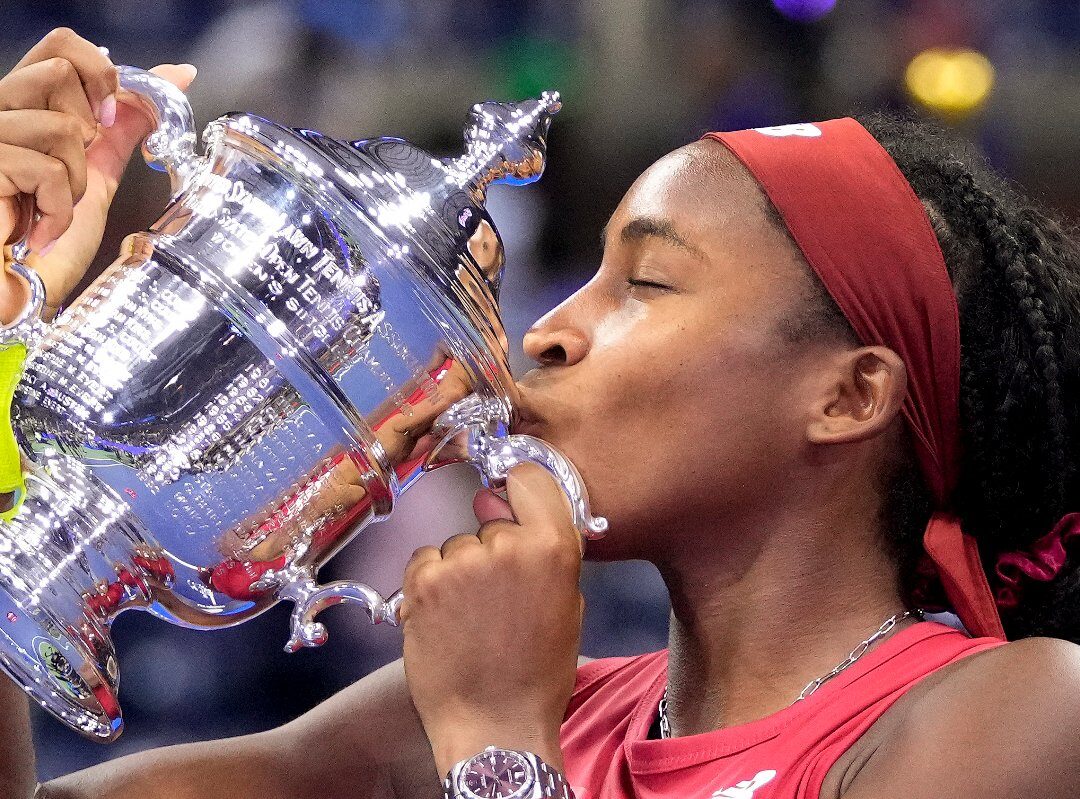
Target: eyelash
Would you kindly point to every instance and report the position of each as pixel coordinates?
(648, 284)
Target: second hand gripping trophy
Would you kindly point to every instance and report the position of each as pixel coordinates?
(310, 326)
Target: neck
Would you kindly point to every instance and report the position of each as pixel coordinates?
(753, 625)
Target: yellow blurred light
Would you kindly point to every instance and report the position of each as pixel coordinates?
(950, 82)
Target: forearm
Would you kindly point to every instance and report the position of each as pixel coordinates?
(241, 768)
(17, 776)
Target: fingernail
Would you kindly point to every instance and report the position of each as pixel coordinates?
(192, 68)
(107, 111)
(47, 248)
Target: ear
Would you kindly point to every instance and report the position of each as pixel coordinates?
(861, 398)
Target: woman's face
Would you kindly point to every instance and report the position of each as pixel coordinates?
(665, 379)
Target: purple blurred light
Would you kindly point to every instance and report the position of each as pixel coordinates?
(804, 10)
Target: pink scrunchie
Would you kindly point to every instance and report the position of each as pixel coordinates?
(1041, 561)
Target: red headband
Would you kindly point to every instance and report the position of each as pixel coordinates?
(866, 235)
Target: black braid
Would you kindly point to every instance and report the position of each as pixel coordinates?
(1016, 272)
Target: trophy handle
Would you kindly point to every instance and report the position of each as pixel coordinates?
(476, 430)
(495, 455)
(17, 339)
(472, 431)
(297, 583)
(171, 146)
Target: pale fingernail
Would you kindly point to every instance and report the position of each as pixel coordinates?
(107, 111)
(47, 248)
(194, 70)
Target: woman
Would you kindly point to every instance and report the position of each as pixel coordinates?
(735, 332)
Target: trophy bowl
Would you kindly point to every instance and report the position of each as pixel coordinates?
(309, 327)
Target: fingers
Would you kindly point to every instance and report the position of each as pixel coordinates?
(51, 133)
(179, 75)
(111, 150)
(51, 85)
(535, 526)
(413, 582)
(95, 71)
(459, 542)
(24, 171)
(539, 502)
(488, 506)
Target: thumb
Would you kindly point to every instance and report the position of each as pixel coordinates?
(110, 151)
(132, 124)
(179, 75)
(536, 498)
(487, 505)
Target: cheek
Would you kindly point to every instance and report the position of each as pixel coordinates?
(682, 417)
(617, 328)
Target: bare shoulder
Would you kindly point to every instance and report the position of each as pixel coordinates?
(1001, 723)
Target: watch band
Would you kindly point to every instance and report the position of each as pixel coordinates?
(551, 783)
(547, 782)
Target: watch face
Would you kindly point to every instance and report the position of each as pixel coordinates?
(496, 774)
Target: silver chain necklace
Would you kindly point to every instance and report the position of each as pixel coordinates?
(813, 685)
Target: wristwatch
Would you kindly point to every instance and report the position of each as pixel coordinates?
(505, 774)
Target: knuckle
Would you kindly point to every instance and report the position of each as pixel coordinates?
(60, 36)
(108, 75)
(501, 542)
(54, 171)
(418, 554)
(458, 538)
(68, 127)
(61, 70)
(423, 583)
(493, 528)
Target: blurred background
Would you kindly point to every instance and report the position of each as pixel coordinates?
(639, 78)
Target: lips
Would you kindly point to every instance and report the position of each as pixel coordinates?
(526, 425)
(527, 418)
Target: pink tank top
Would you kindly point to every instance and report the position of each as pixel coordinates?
(786, 755)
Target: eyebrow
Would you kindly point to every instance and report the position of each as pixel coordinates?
(644, 227)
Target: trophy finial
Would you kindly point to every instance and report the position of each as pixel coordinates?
(505, 142)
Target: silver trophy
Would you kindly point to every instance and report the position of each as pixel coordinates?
(310, 326)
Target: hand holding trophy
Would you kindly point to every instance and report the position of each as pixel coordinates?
(310, 326)
(59, 110)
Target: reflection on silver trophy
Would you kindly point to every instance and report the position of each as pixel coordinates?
(310, 326)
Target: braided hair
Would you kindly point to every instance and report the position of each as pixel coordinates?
(1016, 274)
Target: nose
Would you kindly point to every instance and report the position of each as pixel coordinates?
(553, 340)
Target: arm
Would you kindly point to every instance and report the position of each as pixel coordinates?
(1004, 725)
(17, 761)
(366, 742)
(492, 624)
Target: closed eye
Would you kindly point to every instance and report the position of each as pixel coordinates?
(648, 284)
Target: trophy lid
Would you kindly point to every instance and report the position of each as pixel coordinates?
(410, 197)
(505, 143)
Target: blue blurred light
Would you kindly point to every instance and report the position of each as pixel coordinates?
(804, 10)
